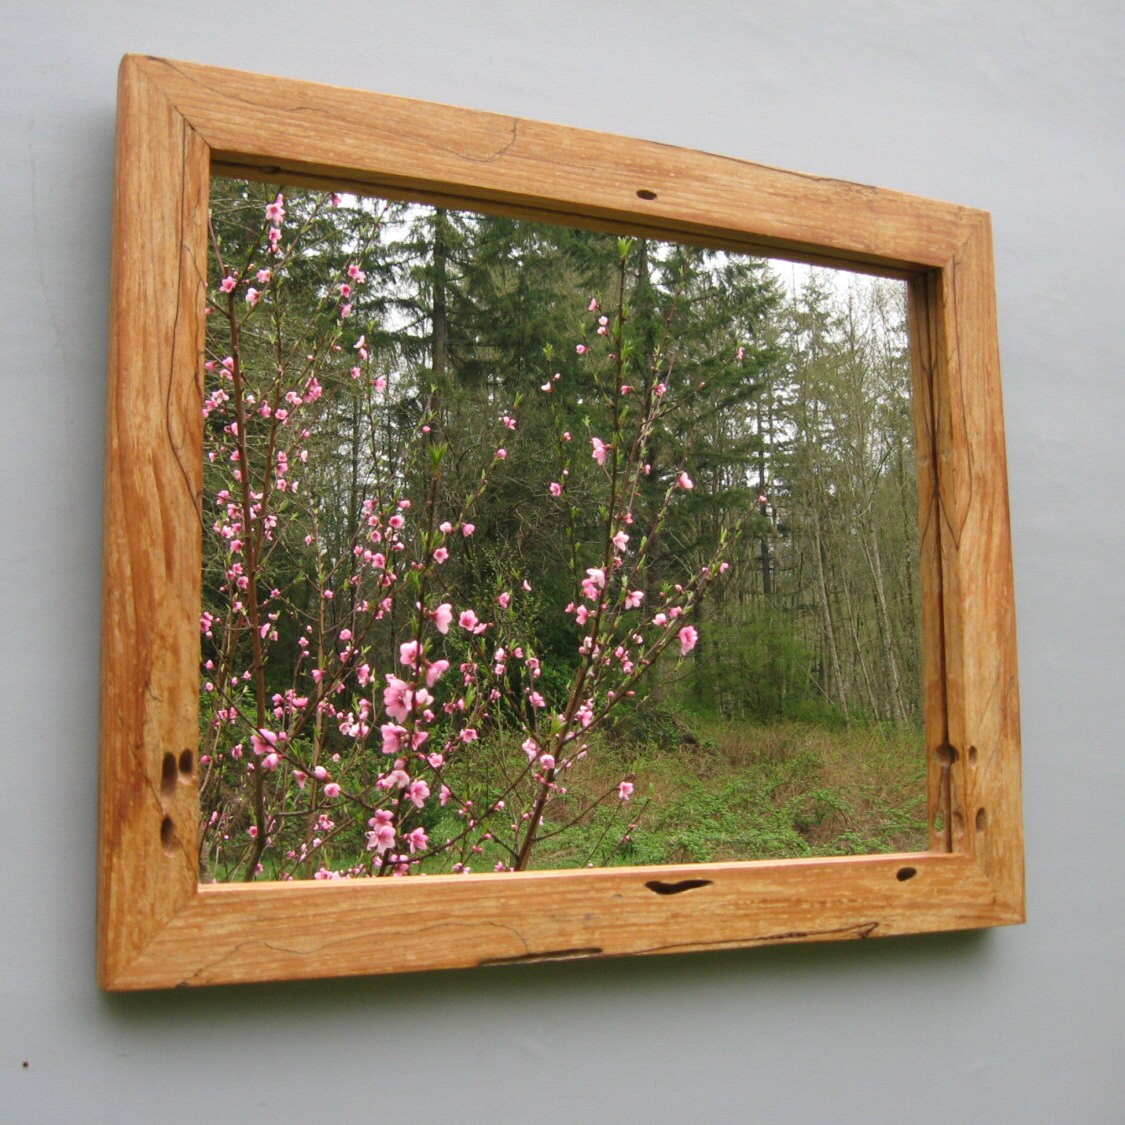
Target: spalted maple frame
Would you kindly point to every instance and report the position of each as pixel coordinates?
(179, 123)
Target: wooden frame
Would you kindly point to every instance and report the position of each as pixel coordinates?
(157, 927)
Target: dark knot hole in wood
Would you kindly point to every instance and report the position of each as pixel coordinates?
(168, 838)
(660, 888)
(168, 774)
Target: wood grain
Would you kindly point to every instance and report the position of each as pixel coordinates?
(329, 135)
(300, 930)
(153, 555)
(157, 927)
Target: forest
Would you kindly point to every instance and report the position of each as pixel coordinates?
(531, 546)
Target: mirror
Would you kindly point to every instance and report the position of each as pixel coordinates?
(533, 547)
(181, 124)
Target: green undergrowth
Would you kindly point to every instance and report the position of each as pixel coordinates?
(709, 790)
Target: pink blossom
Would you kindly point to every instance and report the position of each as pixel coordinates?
(503, 600)
(356, 274)
(625, 790)
(435, 670)
(416, 839)
(555, 488)
(332, 789)
(468, 619)
(443, 617)
(397, 698)
(634, 598)
(440, 555)
(263, 740)
(501, 454)
(593, 582)
(275, 211)
(393, 738)
(264, 276)
(685, 482)
(382, 834)
(408, 653)
(593, 306)
(228, 284)
(398, 778)
(547, 761)
(581, 349)
(621, 540)
(600, 449)
(688, 639)
(252, 297)
(417, 792)
(467, 529)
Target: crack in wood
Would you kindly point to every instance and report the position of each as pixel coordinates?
(546, 955)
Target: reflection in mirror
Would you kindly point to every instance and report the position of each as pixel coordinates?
(533, 547)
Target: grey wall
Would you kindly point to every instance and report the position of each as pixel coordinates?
(1015, 107)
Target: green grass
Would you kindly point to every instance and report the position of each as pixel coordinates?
(744, 791)
(707, 790)
(739, 791)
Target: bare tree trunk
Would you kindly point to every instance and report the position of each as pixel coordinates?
(439, 341)
(826, 617)
(886, 635)
(763, 543)
(873, 699)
